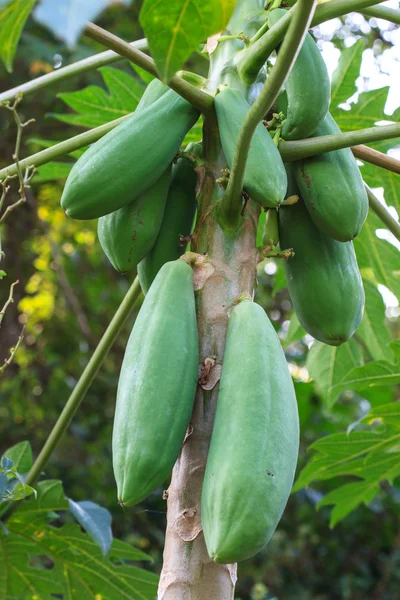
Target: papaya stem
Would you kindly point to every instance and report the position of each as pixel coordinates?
(77, 68)
(251, 59)
(81, 387)
(231, 204)
(201, 100)
(382, 213)
(382, 12)
(300, 149)
(376, 158)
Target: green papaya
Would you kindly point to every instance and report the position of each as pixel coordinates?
(129, 233)
(306, 100)
(129, 159)
(265, 177)
(324, 282)
(177, 221)
(254, 443)
(151, 94)
(332, 189)
(270, 235)
(157, 385)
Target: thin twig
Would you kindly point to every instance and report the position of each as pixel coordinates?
(13, 352)
(9, 301)
(376, 158)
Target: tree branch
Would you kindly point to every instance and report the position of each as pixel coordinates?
(300, 149)
(251, 59)
(230, 205)
(382, 12)
(376, 158)
(201, 100)
(63, 148)
(81, 387)
(77, 68)
(383, 214)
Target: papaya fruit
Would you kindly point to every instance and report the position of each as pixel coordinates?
(151, 94)
(323, 279)
(265, 177)
(254, 443)
(177, 221)
(305, 102)
(129, 233)
(129, 159)
(332, 188)
(157, 385)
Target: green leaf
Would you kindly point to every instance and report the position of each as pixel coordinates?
(373, 330)
(328, 365)
(95, 107)
(295, 331)
(345, 75)
(371, 456)
(12, 20)
(372, 374)
(369, 109)
(79, 570)
(376, 177)
(21, 455)
(175, 29)
(377, 259)
(387, 413)
(52, 171)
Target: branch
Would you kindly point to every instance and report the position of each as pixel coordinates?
(376, 158)
(251, 59)
(9, 301)
(201, 100)
(13, 352)
(383, 12)
(383, 214)
(300, 149)
(82, 386)
(230, 204)
(77, 68)
(63, 148)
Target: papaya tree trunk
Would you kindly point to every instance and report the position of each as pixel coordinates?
(188, 573)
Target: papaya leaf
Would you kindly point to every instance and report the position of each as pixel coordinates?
(388, 413)
(175, 29)
(389, 181)
(378, 259)
(345, 75)
(95, 107)
(366, 112)
(53, 171)
(21, 457)
(328, 365)
(40, 560)
(295, 331)
(373, 331)
(67, 18)
(94, 519)
(376, 373)
(372, 456)
(13, 17)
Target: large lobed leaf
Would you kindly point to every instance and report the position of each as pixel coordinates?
(175, 29)
(371, 456)
(40, 560)
(12, 20)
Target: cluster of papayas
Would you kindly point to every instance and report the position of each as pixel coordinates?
(146, 208)
(126, 183)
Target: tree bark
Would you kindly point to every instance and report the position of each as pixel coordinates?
(188, 573)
